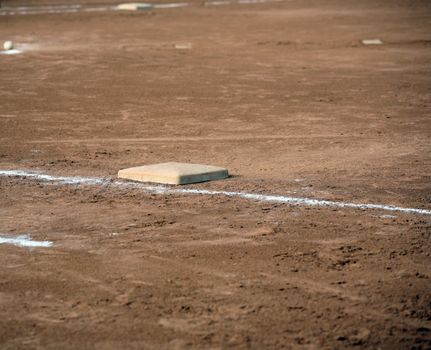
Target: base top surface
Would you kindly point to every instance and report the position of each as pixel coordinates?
(174, 173)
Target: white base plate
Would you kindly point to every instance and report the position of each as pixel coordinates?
(174, 173)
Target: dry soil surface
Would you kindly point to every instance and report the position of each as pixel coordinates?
(286, 96)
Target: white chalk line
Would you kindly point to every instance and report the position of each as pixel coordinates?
(10, 52)
(58, 9)
(43, 7)
(24, 241)
(171, 6)
(40, 10)
(159, 189)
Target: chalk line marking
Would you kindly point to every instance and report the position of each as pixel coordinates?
(10, 52)
(58, 9)
(44, 7)
(158, 189)
(24, 241)
(217, 3)
(171, 6)
(39, 10)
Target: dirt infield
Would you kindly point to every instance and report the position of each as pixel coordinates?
(284, 95)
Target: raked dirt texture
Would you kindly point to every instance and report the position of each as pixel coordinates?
(283, 94)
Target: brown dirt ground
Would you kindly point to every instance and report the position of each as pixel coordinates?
(286, 97)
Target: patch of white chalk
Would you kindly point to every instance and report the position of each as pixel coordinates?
(54, 9)
(295, 201)
(171, 6)
(24, 241)
(58, 9)
(217, 3)
(67, 180)
(10, 52)
(43, 7)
